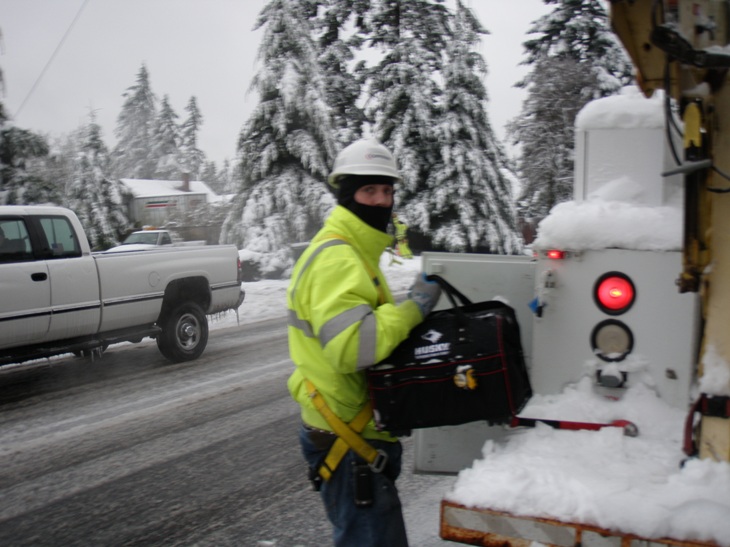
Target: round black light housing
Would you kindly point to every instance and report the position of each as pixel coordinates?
(612, 340)
(614, 293)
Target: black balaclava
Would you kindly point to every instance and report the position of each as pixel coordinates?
(373, 215)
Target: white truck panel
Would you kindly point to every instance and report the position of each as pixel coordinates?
(24, 302)
(558, 350)
(142, 286)
(642, 148)
(480, 277)
(664, 323)
(74, 297)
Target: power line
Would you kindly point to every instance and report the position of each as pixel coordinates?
(53, 56)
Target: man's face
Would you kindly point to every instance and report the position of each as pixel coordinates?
(375, 195)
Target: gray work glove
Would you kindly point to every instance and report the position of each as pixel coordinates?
(425, 293)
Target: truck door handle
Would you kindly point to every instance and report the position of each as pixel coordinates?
(39, 276)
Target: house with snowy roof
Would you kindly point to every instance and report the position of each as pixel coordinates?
(154, 202)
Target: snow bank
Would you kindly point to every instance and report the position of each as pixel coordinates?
(603, 478)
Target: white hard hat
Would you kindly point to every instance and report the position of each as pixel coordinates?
(364, 157)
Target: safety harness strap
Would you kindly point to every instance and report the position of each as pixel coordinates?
(347, 436)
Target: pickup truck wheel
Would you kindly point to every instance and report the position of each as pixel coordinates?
(184, 333)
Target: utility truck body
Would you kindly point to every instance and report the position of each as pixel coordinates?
(599, 308)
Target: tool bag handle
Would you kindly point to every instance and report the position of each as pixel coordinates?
(451, 292)
(453, 295)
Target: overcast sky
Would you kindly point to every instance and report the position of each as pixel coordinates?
(62, 58)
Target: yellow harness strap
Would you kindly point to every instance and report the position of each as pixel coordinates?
(347, 436)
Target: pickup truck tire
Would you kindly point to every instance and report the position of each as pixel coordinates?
(184, 333)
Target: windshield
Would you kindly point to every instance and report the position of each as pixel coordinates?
(149, 238)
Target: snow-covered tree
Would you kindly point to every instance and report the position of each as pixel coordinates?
(580, 30)
(135, 131)
(404, 97)
(20, 151)
(575, 58)
(193, 158)
(287, 146)
(469, 202)
(545, 129)
(96, 199)
(339, 29)
(209, 174)
(312, 89)
(167, 141)
(226, 178)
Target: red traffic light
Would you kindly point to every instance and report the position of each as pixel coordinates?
(614, 293)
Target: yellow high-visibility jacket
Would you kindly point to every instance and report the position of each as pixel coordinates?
(400, 229)
(337, 326)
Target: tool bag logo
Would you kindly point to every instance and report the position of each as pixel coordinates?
(434, 347)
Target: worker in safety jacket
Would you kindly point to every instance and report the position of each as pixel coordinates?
(401, 238)
(343, 319)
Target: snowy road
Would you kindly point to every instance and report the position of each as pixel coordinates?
(130, 450)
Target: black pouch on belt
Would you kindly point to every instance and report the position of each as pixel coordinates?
(362, 477)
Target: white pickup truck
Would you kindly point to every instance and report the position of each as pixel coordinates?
(58, 297)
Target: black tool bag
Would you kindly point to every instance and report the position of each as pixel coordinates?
(460, 365)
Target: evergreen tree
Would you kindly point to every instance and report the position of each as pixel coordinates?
(20, 151)
(580, 30)
(135, 131)
(210, 176)
(338, 46)
(56, 168)
(545, 128)
(405, 96)
(166, 152)
(470, 204)
(193, 157)
(226, 178)
(96, 199)
(287, 146)
(576, 58)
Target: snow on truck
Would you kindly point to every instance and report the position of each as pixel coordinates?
(58, 297)
(623, 311)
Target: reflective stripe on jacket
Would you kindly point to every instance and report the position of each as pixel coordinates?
(336, 326)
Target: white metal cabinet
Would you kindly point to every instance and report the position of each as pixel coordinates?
(480, 277)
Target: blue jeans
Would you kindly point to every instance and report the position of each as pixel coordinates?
(381, 524)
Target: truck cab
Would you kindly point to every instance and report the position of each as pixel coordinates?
(41, 252)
